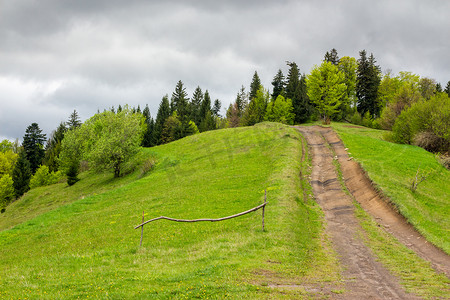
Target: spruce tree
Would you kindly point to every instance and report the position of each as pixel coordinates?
(162, 115)
(196, 103)
(254, 86)
(53, 147)
(278, 85)
(180, 102)
(33, 145)
(147, 139)
(241, 101)
(367, 82)
(447, 88)
(21, 175)
(74, 120)
(332, 57)
(296, 91)
(438, 88)
(216, 108)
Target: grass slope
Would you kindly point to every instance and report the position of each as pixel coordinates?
(392, 167)
(69, 242)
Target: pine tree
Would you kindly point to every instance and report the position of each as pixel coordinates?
(447, 88)
(147, 139)
(216, 108)
(206, 122)
(196, 103)
(241, 101)
(278, 85)
(33, 145)
(254, 86)
(332, 57)
(296, 91)
(53, 147)
(161, 117)
(74, 120)
(367, 82)
(179, 102)
(21, 175)
(438, 87)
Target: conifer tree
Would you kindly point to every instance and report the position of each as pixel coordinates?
(254, 86)
(296, 91)
(216, 108)
(207, 121)
(241, 101)
(147, 140)
(180, 102)
(162, 115)
(74, 120)
(447, 88)
(21, 175)
(278, 85)
(332, 57)
(196, 103)
(438, 87)
(368, 81)
(53, 147)
(33, 145)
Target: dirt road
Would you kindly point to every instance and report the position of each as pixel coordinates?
(364, 276)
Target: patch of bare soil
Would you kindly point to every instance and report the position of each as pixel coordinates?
(364, 276)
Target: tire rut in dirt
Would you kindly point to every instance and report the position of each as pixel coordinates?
(365, 278)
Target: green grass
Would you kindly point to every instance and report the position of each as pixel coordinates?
(392, 167)
(62, 242)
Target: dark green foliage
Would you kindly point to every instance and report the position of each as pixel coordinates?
(332, 57)
(216, 108)
(53, 147)
(196, 103)
(148, 138)
(241, 101)
(447, 88)
(171, 130)
(278, 85)
(119, 109)
(72, 174)
(21, 175)
(161, 117)
(256, 109)
(33, 145)
(368, 80)
(180, 102)
(254, 86)
(296, 91)
(74, 121)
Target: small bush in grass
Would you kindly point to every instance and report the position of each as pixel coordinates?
(445, 161)
(72, 175)
(43, 177)
(147, 166)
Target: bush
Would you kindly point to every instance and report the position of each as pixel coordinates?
(72, 175)
(43, 177)
(6, 190)
(425, 124)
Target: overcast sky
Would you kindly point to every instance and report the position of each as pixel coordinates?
(61, 55)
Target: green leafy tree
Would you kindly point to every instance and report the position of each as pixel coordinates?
(255, 85)
(33, 145)
(256, 108)
(280, 110)
(172, 129)
(161, 117)
(6, 145)
(367, 83)
(21, 175)
(348, 65)
(325, 89)
(44, 177)
(6, 191)
(427, 87)
(278, 85)
(332, 57)
(74, 120)
(7, 161)
(71, 153)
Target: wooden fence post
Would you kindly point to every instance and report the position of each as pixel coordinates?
(142, 229)
(263, 209)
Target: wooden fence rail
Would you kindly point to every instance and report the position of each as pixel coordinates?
(205, 220)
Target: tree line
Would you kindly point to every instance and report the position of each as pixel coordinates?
(416, 109)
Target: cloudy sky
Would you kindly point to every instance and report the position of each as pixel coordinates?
(61, 55)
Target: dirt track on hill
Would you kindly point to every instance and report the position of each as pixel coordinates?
(364, 276)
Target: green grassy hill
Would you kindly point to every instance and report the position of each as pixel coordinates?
(69, 242)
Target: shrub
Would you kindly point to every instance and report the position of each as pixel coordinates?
(43, 177)
(72, 174)
(6, 190)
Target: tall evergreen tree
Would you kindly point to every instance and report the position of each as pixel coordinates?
(207, 121)
(196, 103)
(447, 88)
(216, 108)
(161, 117)
(367, 82)
(21, 175)
(33, 145)
(53, 147)
(180, 102)
(147, 139)
(296, 91)
(332, 57)
(254, 86)
(241, 101)
(278, 85)
(74, 120)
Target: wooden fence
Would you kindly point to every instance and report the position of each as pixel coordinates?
(261, 206)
